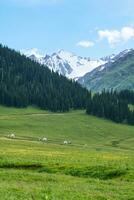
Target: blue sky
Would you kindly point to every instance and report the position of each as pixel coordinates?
(92, 28)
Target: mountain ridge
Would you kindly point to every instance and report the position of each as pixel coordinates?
(93, 74)
(65, 63)
(117, 75)
(69, 64)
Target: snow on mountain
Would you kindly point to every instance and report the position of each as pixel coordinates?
(71, 65)
(34, 54)
(103, 68)
(117, 74)
(122, 54)
(65, 63)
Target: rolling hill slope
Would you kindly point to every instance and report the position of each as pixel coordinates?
(97, 165)
(117, 75)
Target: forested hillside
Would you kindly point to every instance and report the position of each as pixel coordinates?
(24, 82)
(113, 105)
(117, 75)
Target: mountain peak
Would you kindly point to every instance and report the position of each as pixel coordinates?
(70, 65)
(64, 62)
(32, 52)
(116, 74)
(65, 54)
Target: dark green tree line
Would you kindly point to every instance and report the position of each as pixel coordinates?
(112, 105)
(24, 82)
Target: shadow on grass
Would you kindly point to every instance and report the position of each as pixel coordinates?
(99, 172)
(34, 166)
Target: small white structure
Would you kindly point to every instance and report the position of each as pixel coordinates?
(67, 142)
(11, 136)
(44, 139)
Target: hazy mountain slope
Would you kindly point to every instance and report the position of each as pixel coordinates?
(117, 75)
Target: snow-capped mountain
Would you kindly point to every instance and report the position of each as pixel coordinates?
(118, 73)
(71, 65)
(66, 63)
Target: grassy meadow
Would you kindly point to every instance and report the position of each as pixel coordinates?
(97, 165)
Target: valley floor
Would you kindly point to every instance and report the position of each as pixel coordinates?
(97, 165)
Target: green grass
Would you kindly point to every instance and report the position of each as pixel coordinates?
(98, 165)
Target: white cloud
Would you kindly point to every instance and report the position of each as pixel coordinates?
(85, 43)
(127, 33)
(115, 37)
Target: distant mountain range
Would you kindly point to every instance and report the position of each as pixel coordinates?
(114, 71)
(66, 63)
(117, 74)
